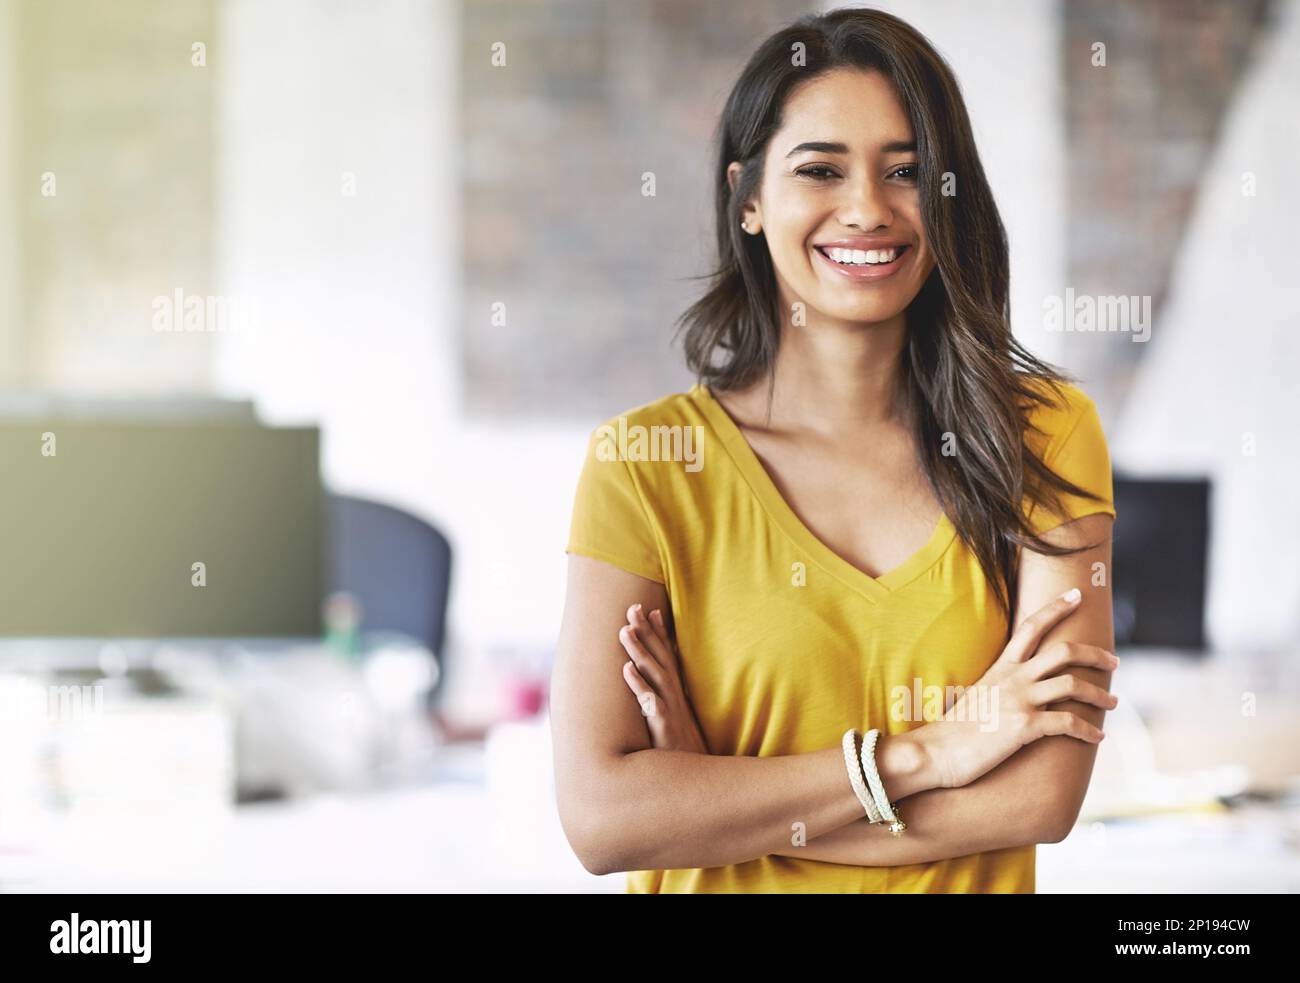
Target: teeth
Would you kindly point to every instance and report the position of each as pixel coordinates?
(862, 257)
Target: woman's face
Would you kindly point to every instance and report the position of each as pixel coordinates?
(839, 202)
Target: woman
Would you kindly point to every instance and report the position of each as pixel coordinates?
(837, 527)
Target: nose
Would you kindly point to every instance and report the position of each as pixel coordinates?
(865, 206)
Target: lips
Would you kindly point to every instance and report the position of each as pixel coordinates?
(862, 250)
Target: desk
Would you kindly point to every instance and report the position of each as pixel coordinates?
(1247, 851)
(454, 836)
(449, 835)
(481, 818)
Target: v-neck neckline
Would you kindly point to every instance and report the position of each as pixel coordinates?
(780, 511)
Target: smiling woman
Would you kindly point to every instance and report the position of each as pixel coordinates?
(896, 496)
(884, 237)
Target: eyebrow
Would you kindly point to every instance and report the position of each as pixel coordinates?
(822, 147)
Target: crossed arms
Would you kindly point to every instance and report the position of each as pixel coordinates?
(626, 805)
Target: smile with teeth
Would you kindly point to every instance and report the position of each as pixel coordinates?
(861, 257)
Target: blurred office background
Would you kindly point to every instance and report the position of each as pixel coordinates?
(306, 311)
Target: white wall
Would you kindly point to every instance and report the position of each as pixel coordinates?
(1223, 358)
(358, 297)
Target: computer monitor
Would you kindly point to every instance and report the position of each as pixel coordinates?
(147, 530)
(1161, 543)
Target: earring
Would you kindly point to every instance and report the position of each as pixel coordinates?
(745, 226)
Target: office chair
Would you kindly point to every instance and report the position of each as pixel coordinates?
(396, 565)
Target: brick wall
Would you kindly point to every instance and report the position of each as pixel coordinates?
(554, 145)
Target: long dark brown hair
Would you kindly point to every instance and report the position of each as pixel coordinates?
(965, 373)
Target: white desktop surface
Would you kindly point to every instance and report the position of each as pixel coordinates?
(454, 837)
(483, 819)
(449, 836)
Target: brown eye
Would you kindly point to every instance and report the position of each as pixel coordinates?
(817, 172)
(907, 172)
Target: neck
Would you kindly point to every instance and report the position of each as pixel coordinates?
(835, 378)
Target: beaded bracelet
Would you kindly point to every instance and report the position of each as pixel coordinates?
(887, 808)
(850, 745)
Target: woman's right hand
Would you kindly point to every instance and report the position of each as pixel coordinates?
(1003, 711)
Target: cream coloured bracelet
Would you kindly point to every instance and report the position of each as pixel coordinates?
(850, 745)
(886, 808)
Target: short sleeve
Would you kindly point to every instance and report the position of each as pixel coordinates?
(610, 521)
(1081, 457)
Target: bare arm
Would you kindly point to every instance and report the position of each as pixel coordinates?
(1035, 795)
(625, 805)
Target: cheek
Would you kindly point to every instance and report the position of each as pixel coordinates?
(908, 211)
(790, 217)
(789, 250)
(927, 261)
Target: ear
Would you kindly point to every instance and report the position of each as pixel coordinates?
(751, 214)
(734, 170)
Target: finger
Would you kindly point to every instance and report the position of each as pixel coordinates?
(1068, 687)
(645, 662)
(1053, 660)
(650, 634)
(645, 695)
(657, 619)
(656, 644)
(668, 645)
(1025, 639)
(1050, 722)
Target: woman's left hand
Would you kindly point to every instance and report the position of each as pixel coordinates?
(654, 677)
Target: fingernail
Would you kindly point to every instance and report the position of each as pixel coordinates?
(1072, 595)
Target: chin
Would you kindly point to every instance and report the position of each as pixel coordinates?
(863, 312)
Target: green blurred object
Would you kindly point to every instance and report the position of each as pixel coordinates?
(342, 616)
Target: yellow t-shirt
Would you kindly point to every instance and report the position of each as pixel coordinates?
(784, 644)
